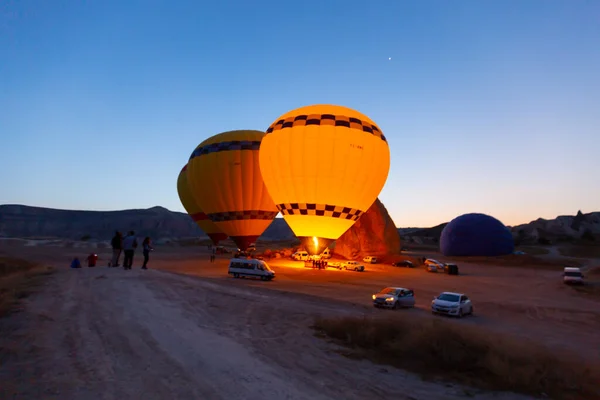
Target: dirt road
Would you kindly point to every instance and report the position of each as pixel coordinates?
(106, 333)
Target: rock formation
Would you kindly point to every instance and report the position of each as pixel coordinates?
(374, 234)
(565, 228)
(157, 222)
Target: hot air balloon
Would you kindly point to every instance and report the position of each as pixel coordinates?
(225, 180)
(194, 210)
(324, 166)
(476, 234)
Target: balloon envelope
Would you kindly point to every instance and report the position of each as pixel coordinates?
(324, 166)
(476, 235)
(192, 208)
(225, 180)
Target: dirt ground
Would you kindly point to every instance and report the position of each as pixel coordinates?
(184, 329)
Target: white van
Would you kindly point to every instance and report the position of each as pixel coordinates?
(370, 259)
(572, 275)
(326, 253)
(241, 267)
(300, 256)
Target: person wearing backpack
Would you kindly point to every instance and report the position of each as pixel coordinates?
(129, 245)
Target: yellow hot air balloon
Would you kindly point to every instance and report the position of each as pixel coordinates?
(324, 166)
(188, 202)
(225, 180)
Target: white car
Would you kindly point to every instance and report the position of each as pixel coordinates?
(572, 275)
(301, 256)
(370, 259)
(449, 303)
(334, 264)
(353, 265)
(433, 265)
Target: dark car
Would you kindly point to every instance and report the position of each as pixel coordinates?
(451, 269)
(403, 263)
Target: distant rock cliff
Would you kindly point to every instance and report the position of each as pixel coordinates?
(579, 228)
(373, 234)
(156, 222)
(565, 228)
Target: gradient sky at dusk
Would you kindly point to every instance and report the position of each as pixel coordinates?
(488, 106)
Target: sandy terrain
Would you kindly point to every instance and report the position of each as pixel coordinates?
(106, 333)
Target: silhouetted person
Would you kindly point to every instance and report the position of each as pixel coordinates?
(91, 259)
(75, 263)
(129, 246)
(146, 249)
(117, 247)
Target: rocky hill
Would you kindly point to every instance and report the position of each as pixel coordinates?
(157, 222)
(373, 234)
(565, 228)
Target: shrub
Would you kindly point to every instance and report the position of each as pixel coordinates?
(466, 354)
(17, 278)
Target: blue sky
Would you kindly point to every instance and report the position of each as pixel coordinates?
(488, 106)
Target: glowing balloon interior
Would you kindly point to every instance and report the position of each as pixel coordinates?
(324, 166)
(225, 180)
(192, 208)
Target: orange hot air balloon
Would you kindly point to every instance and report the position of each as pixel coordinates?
(226, 182)
(324, 166)
(192, 208)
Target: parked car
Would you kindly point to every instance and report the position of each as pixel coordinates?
(370, 259)
(431, 268)
(300, 256)
(450, 303)
(221, 250)
(353, 265)
(431, 261)
(451, 269)
(403, 263)
(394, 297)
(573, 275)
(433, 265)
(334, 264)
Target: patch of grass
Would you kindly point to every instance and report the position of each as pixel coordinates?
(580, 251)
(10, 265)
(435, 348)
(18, 278)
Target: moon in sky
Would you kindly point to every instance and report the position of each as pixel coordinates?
(389, 58)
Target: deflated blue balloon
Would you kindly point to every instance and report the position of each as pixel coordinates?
(476, 235)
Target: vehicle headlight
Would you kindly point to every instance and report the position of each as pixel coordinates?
(389, 299)
(374, 297)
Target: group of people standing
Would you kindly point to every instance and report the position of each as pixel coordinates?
(319, 263)
(128, 245)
